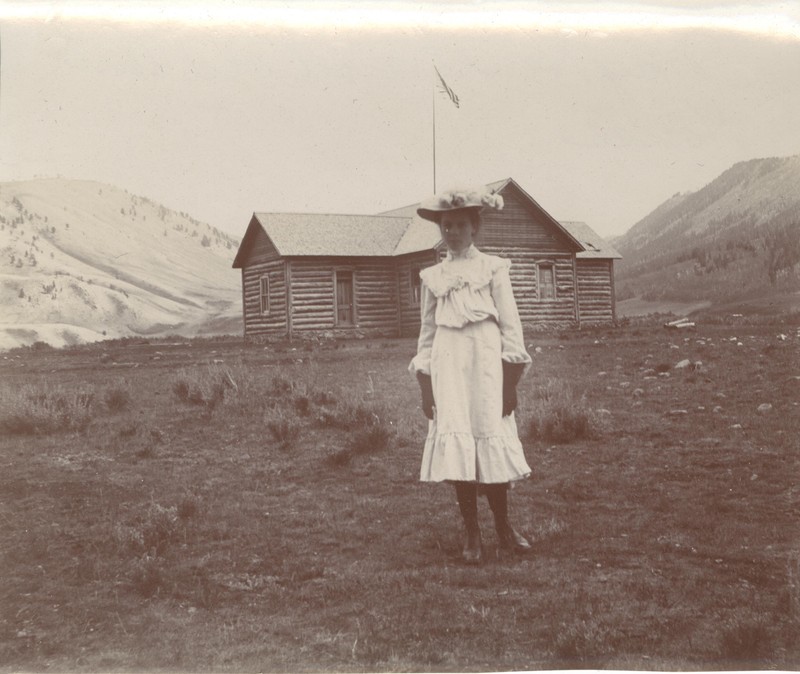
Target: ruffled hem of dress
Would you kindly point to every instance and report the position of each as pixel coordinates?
(464, 457)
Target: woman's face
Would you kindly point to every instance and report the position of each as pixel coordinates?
(458, 230)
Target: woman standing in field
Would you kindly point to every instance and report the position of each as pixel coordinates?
(470, 356)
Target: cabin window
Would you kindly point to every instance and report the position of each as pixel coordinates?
(416, 285)
(264, 294)
(546, 278)
(345, 299)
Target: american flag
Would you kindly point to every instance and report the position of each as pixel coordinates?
(446, 89)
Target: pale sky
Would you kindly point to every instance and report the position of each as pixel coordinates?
(600, 111)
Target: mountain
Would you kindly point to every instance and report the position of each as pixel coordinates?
(83, 261)
(735, 240)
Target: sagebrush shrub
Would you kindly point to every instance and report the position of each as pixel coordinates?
(41, 409)
(349, 415)
(159, 527)
(150, 532)
(199, 387)
(116, 398)
(558, 416)
(281, 385)
(302, 404)
(375, 438)
(284, 429)
(239, 388)
(340, 458)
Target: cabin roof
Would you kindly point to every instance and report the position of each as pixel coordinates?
(594, 246)
(303, 234)
(396, 232)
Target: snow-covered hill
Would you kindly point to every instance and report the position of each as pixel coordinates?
(83, 261)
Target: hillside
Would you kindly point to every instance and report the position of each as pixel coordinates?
(735, 240)
(82, 261)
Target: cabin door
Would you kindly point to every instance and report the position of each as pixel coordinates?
(344, 298)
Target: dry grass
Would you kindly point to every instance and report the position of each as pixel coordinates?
(233, 508)
(557, 415)
(42, 409)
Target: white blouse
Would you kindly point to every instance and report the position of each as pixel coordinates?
(468, 289)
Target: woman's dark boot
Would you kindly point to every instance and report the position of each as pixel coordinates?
(467, 494)
(508, 538)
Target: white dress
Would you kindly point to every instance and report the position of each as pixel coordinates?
(470, 324)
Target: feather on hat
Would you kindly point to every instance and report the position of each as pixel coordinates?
(453, 200)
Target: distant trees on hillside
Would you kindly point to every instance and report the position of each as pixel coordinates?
(782, 246)
(709, 258)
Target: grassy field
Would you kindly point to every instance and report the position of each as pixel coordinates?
(209, 505)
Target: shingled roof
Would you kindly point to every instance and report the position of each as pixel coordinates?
(391, 233)
(594, 246)
(296, 234)
(422, 235)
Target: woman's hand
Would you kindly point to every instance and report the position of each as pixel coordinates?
(511, 375)
(426, 389)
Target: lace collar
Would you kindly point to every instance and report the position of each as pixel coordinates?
(470, 254)
(445, 277)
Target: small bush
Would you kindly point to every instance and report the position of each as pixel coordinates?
(38, 410)
(159, 527)
(372, 437)
(150, 532)
(340, 458)
(349, 416)
(239, 388)
(182, 390)
(147, 452)
(128, 430)
(283, 429)
(558, 417)
(117, 398)
(199, 388)
(302, 404)
(371, 440)
(281, 385)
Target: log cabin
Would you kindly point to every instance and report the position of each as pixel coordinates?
(306, 275)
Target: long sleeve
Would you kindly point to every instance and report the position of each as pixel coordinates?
(422, 361)
(511, 336)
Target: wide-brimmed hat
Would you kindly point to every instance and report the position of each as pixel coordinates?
(455, 200)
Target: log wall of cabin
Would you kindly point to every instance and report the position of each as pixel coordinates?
(595, 291)
(408, 309)
(374, 293)
(263, 258)
(532, 309)
(519, 224)
(274, 321)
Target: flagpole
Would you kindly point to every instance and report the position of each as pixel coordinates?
(433, 91)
